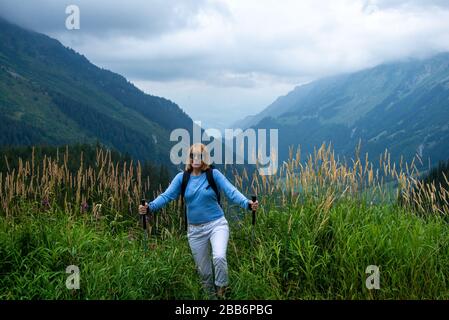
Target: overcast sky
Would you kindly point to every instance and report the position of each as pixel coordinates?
(223, 60)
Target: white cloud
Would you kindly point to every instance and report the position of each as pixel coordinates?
(248, 50)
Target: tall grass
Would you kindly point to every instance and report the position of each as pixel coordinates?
(111, 187)
(108, 188)
(321, 222)
(323, 178)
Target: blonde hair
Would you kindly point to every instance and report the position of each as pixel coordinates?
(198, 148)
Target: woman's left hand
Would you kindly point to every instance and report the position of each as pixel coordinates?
(254, 205)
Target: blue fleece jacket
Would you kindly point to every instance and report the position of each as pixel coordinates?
(200, 199)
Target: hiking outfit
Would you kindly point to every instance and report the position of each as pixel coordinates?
(206, 222)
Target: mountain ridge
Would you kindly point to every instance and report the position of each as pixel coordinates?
(52, 94)
(402, 106)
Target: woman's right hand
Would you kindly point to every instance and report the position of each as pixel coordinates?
(143, 209)
(253, 205)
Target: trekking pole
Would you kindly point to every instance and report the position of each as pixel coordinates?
(144, 224)
(254, 199)
(156, 222)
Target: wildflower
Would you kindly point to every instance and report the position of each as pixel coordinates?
(84, 207)
(45, 203)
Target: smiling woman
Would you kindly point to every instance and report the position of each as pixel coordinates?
(200, 186)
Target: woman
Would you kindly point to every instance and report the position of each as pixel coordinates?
(206, 220)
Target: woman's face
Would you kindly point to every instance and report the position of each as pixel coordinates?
(196, 158)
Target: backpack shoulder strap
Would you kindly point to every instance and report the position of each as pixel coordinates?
(185, 180)
(213, 185)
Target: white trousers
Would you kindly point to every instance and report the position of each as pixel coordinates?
(215, 233)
